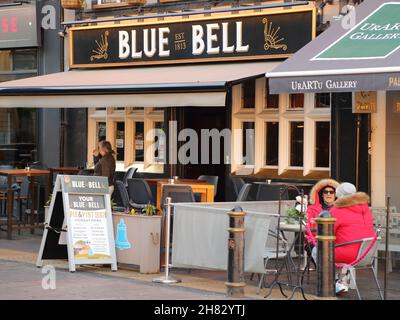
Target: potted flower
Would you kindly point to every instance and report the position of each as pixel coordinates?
(298, 213)
(149, 210)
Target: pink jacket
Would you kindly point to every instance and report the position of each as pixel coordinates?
(354, 221)
(315, 207)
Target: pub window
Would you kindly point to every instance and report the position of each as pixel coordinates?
(25, 59)
(296, 101)
(296, 143)
(18, 64)
(249, 94)
(272, 142)
(271, 100)
(322, 100)
(18, 139)
(120, 141)
(322, 142)
(248, 143)
(139, 141)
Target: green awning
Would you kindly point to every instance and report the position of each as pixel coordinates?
(360, 52)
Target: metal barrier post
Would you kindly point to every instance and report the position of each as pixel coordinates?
(326, 255)
(167, 279)
(235, 284)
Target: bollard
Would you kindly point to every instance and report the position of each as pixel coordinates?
(167, 279)
(325, 255)
(235, 284)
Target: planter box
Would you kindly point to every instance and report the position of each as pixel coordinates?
(137, 241)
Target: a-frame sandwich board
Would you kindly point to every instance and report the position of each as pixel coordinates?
(79, 224)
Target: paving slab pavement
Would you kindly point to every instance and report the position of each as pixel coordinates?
(207, 283)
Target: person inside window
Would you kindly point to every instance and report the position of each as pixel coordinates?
(104, 163)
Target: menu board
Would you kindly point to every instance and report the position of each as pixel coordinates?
(87, 229)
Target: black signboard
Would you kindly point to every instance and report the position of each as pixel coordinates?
(253, 36)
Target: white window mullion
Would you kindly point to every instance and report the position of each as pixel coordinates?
(259, 142)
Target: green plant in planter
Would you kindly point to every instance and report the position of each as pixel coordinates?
(298, 213)
(149, 210)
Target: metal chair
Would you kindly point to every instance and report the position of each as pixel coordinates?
(129, 175)
(270, 192)
(271, 254)
(369, 261)
(210, 179)
(244, 192)
(238, 184)
(139, 193)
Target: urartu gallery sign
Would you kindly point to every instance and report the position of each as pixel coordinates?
(234, 37)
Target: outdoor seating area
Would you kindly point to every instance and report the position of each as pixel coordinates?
(275, 251)
(275, 254)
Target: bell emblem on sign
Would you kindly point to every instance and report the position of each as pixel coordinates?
(122, 239)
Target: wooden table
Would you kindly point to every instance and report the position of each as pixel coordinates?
(204, 188)
(32, 174)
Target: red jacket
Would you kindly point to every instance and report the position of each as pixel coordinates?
(315, 207)
(354, 221)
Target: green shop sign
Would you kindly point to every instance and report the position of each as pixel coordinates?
(375, 37)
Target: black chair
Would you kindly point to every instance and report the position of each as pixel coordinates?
(129, 175)
(178, 194)
(128, 205)
(270, 192)
(139, 193)
(244, 193)
(210, 179)
(238, 184)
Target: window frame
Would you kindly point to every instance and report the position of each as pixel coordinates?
(309, 115)
(129, 116)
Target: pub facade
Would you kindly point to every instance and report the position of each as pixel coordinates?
(131, 69)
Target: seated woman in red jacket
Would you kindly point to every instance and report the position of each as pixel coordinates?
(354, 221)
(322, 197)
